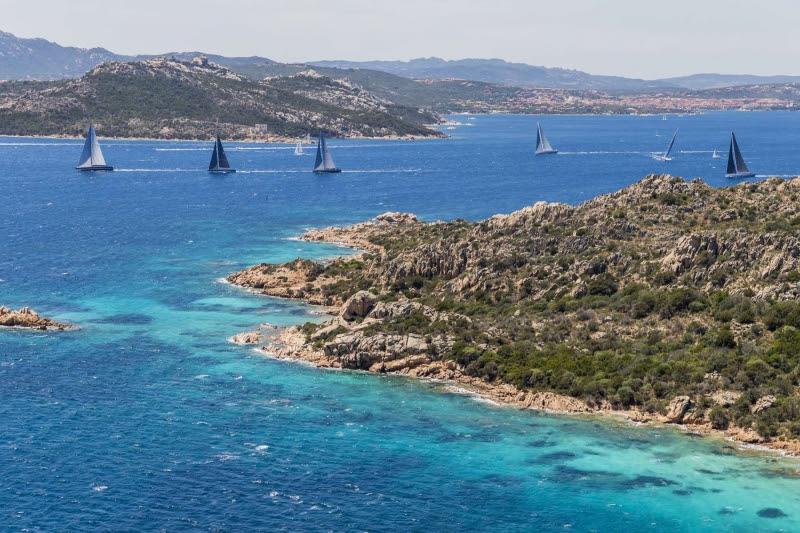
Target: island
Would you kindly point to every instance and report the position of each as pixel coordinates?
(669, 301)
(26, 318)
(164, 98)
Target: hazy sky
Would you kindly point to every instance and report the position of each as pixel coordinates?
(641, 38)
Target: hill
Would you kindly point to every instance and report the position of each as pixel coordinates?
(717, 81)
(501, 72)
(668, 300)
(39, 59)
(172, 99)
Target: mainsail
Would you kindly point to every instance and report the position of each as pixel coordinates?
(92, 156)
(298, 149)
(542, 144)
(219, 161)
(324, 161)
(736, 165)
(671, 144)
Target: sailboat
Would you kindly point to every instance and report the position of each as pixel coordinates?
(92, 157)
(219, 161)
(715, 155)
(665, 156)
(542, 144)
(737, 168)
(324, 161)
(298, 149)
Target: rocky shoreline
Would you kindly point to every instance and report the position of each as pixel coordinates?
(352, 339)
(276, 139)
(26, 318)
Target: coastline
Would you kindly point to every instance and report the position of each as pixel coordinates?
(293, 344)
(248, 140)
(287, 344)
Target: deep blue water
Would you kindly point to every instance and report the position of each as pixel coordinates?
(146, 418)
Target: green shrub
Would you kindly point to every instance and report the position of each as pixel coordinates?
(719, 418)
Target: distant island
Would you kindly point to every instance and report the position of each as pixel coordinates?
(55, 90)
(668, 301)
(171, 99)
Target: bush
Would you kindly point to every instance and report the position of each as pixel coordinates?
(724, 338)
(735, 307)
(780, 314)
(681, 300)
(602, 285)
(719, 418)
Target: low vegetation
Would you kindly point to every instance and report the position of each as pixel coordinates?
(665, 288)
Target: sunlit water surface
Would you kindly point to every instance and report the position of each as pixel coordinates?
(147, 418)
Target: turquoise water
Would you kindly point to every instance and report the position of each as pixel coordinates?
(146, 418)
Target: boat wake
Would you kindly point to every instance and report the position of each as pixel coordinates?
(384, 171)
(603, 152)
(159, 170)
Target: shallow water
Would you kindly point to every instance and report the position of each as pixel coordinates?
(146, 418)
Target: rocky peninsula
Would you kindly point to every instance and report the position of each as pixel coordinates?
(26, 318)
(668, 301)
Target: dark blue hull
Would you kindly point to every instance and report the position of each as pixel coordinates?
(222, 170)
(95, 168)
(741, 175)
(328, 171)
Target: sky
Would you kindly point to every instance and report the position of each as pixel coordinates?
(635, 38)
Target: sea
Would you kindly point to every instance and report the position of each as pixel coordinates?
(147, 419)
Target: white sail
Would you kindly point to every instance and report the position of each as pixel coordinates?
(92, 155)
(298, 149)
(542, 144)
(324, 161)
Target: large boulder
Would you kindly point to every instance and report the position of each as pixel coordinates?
(678, 408)
(391, 217)
(358, 305)
(763, 403)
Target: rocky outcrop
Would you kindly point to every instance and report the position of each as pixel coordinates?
(361, 350)
(26, 318)
(692, 250)
(763, 403)
(247, 337)
(362, 235)
(358, 306)
(300, 279)
(678, 408)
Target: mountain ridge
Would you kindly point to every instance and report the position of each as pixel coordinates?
(41, 59)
